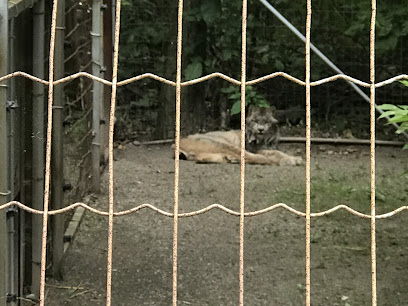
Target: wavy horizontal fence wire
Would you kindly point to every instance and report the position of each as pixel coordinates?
(208, 77)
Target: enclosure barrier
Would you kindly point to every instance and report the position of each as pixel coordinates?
(176, 215)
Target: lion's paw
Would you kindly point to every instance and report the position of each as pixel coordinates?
(291, 161)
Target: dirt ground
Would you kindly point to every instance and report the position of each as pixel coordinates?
(274, 242)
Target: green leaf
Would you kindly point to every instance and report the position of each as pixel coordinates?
(387, 114)
(279, 65)
(387, 107)
(387, 44)
(401, 130)
(263, 103)
(236, 108)
(229, 89)
(193, 71)
(250, 94)
(263, 49)
(405, 147)
(380, 196)
(234, 96)
(226, 54)
(398, 119)
(405, 82)
(211, 10)
(354, 29)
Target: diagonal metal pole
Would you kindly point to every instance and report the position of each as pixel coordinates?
(323, 57)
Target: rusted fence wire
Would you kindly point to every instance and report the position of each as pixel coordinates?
(308, 143)
(372, 153)
(242, 161)
(242, 214)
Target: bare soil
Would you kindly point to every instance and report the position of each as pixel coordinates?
(274, 242)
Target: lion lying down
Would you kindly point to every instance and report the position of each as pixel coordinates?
(224, 147)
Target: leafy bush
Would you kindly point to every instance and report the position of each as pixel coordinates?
(397, 114)
(252, 97)
(212, 43)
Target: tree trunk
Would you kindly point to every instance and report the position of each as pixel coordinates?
(193, 115)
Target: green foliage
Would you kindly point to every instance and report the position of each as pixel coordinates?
(391, 25)
(148, 24)
(142, 41)
(193, 70)
(212, 43)
(398, 114)
(252, 97)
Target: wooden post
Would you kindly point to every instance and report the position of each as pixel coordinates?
(38, 144)
(57, 172)
(107, 60)
(97, 93)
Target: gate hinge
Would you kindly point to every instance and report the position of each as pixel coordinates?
(11, 298)
(12, 104)
(11, 211)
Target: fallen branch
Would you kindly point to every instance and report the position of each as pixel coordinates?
(340, 141)
(344, 141)
(153, 142)
(79, 293)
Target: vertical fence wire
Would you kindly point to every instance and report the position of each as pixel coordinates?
(177, 147)
(307, 192)
(111, 130)
(48, 153)
(372, 153)
(242, 161)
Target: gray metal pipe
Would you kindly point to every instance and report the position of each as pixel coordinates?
(97, 92)
(13, 142)
(12, 258)
(4, 191)
(322, 56)
(38, 144)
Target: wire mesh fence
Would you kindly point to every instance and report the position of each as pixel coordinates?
(337, 109)
(81, 101)
(78, 104)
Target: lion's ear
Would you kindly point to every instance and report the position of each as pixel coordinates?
(251, 109)
(270, 110)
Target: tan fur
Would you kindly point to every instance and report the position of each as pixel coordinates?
(224, 147)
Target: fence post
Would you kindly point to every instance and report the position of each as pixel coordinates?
(57, 172)
(3, 148)
(16, 168)
(38, 144)
(107, 60)
(97, 96)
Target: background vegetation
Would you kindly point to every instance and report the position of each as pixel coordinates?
(212, 42)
